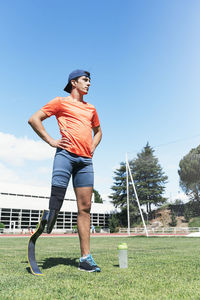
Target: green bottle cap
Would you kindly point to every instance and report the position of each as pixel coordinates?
(122, 246)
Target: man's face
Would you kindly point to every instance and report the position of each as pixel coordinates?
(82, 84)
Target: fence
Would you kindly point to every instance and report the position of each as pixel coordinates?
(161, 230)
(55, 231)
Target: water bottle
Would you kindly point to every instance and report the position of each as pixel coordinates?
(123, 255)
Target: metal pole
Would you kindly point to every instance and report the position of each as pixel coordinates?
(127, 190)
(137, 199)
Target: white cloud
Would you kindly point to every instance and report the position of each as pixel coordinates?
(28, 189)
(16, 150)
(180, 196)
(105, 197)
(7, 175)
(25, 189)
(11, 183)
(45, 170)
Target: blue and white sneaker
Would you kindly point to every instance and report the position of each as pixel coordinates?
(88, 264)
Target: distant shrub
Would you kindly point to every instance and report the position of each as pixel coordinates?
(173, 222)
(75, 229)
(113, 223)
(164, 206)
(187, 213)
(97, 229)
(195, 222)
(2, 225)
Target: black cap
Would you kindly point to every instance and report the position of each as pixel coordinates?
(73, 75)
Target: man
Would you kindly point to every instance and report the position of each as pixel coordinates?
(76, 119)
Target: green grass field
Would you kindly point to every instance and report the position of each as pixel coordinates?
(159, 268)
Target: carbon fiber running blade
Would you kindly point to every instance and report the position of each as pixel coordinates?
(31, 245)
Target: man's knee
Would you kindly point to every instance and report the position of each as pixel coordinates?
(85, 207)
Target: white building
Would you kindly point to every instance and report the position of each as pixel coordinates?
(22, 212)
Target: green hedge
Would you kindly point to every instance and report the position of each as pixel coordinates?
(195, 222)
(75, 229)
(97, 229)
(2, 225)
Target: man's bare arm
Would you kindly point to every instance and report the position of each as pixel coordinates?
(96, 138)
(36, 123)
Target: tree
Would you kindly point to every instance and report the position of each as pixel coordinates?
(188, 214)
(149, 178)
(119, 196)
(189, 172)
(173, 222)
(97, 197)
(178, 202)
(113, 223)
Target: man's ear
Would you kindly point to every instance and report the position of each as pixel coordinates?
(73, 83)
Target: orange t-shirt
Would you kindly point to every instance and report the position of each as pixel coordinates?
(75, 120)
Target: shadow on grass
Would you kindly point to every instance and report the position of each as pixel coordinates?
(28, 270)
(54, 261)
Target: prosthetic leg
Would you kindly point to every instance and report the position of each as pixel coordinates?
(49, 218)
(31, 245)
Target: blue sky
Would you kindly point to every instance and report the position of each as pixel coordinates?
(144, 60)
